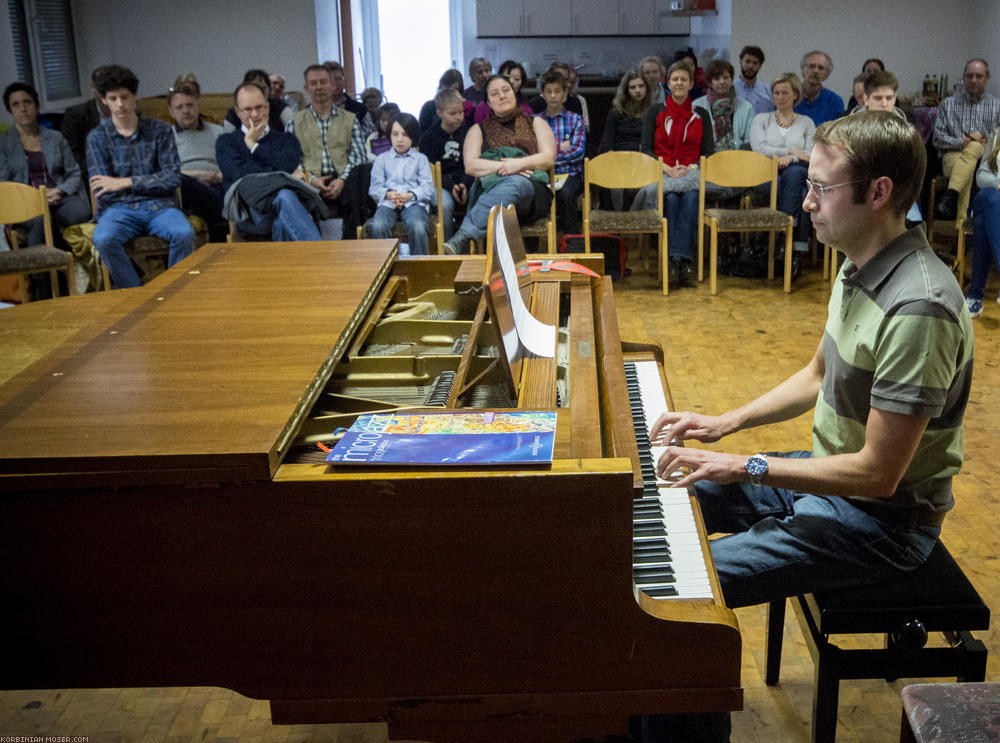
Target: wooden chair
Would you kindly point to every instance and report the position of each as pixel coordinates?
(625, 170)
(19, 203)
(545, 227)
(435, 225)
(741, 169)
(958, 267)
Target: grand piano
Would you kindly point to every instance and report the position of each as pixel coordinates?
(167, 519)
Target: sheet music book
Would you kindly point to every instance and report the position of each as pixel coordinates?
(445, 438)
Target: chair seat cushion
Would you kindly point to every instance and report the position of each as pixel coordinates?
(748, 219)
(35, 258)
(539, 228)
(148, 245)
(637, 221)
(952, 712)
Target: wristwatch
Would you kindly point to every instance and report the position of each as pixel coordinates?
(756, 467)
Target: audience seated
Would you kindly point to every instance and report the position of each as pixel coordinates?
(818, 103)
(332, 146)
(279, 115)
(261, 172)
(571, 144)
(402, 186)
(623, 127)
(700, 82)
(378, 141)
(680, 134)
(201, 179)
(78, 120)
(371, 99)
(985, 225)
(539, 104)
(789, 135)
(341, 99)
(874, 64)
(729, 115)
(756, 93)
(450, 79)
(278, 92)
(515, 73)
(134, 173)
(960, 129)
(501, 152)
(480, 70)
(573, 95)
(443, 143)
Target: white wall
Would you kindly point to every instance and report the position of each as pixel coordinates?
(912, 37)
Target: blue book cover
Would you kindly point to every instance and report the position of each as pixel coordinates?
(522, 437)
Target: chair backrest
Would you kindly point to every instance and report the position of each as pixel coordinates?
(739, 168)
(618, 169)
(20, 202)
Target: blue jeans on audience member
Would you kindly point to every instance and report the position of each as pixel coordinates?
(782, 543)
(513, 190)
(286, 219)
(681, 211)
(791, 192)
(414, 219)
(985, 239)
(117, 225)
(446, 211)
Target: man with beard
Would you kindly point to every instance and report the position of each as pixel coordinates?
(756, 94)
(818, 103)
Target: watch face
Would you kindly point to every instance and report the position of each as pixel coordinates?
(756, 465)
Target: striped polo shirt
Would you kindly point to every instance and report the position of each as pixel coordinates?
(898, 338)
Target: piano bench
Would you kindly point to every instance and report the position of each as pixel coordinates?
(935, 597)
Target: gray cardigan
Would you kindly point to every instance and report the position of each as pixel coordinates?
(59, 160)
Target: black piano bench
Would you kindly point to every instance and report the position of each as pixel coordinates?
(936, 597)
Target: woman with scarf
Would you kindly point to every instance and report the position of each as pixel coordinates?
(509, 154)
(680, 134)
(730, 116)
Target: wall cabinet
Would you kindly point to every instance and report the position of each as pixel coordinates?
(578, 18)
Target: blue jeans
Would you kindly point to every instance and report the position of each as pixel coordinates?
(681, 211)
(791, 192)
(116, 225)
(286, 219)
(446, 210)
(985, 239)
(414, 219)
(782, 543)
(567, 211)
(513, 190)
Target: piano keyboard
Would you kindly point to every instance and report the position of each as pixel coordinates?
(667, 560)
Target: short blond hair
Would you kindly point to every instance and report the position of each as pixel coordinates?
(793, 80)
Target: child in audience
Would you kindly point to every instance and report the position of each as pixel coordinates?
(443, 143)
(571, 143)
(402, 186)
(378, 141)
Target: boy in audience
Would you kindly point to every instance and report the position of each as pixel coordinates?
(880, 93)
(571, 142)
(134, 173)
(443, 143)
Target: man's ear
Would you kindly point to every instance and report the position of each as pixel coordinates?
(880, 191)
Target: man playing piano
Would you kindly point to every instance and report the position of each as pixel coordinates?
(888, 383)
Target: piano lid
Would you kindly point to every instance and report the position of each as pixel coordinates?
(200, 375)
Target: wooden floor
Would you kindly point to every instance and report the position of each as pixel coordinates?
(721, 351)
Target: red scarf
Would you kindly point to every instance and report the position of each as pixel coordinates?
(677, 138)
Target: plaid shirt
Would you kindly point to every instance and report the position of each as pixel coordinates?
(148, 157)
(957, 114)
(356, 154)
(568, 127)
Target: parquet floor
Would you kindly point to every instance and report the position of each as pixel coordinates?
(721, 351)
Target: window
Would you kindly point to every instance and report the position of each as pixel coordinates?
(45, 47)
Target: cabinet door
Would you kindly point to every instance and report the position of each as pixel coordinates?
(499, 19)
(547, 17)
(597, 17)
(667, 23)
(635, 17)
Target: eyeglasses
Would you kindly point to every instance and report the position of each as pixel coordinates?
(819, 189)
(254, 109)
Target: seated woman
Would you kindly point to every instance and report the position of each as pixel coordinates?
(680, 134)
(789, 136)
(509, 153)
(38, 156)
(623, 127)
(515, 73)
(730, 116)
(985, 225)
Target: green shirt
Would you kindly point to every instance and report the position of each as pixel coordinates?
(898, 338)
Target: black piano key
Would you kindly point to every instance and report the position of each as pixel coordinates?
(660, 592)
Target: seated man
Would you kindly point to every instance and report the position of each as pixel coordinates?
(332, 145)
(341, 98)
(818, 103)
(78, 120)
(257, 204)
(134, 173)
(201, 179)
(962, 124)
